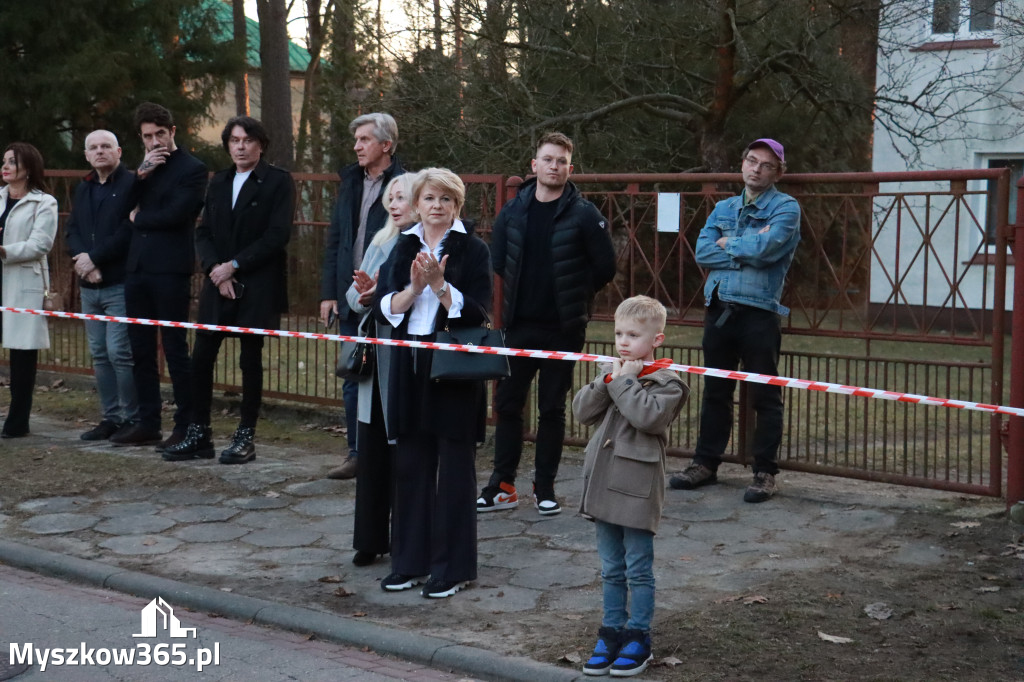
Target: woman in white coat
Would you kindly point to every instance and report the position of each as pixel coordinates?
(28, 224)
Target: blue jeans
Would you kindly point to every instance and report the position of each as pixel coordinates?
(627, 559)
(111, 353)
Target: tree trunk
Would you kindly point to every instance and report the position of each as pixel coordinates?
(310, 140)
(858, 44)
(713, 154)
(241, 45)
(496, 29)
(438, 42)
(276, 97)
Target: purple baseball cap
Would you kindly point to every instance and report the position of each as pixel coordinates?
(776, 148)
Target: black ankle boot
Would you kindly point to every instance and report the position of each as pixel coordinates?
(241, 449)
(196, 445)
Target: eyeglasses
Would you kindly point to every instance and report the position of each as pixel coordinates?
(753, 162)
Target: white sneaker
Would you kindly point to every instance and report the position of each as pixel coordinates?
(547, 505)
(493, 499)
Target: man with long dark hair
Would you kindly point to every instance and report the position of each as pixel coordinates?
(241, 242)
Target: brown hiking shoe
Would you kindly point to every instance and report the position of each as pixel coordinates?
(761, 489)
(345, 471)
(693, 476)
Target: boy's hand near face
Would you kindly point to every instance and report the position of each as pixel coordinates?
(622, 367)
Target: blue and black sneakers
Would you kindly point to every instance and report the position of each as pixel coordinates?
(605, 651)
(634, 654)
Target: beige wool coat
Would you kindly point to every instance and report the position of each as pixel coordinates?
(27, 239)
(624, 467)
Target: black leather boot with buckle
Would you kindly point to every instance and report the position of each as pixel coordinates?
(196, 445)
(241, 449)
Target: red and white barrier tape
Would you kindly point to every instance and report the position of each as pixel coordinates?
(785, 382)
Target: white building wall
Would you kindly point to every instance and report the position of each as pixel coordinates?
(979, 90)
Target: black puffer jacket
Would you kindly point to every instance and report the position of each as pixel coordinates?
(581, 251)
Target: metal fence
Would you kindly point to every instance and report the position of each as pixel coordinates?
(893, 274)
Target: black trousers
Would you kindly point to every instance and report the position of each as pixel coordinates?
(751, 337)
(250, 361)
(554, 379)
(433, 522)
(23, 386)
(160, 296)
(371, 528)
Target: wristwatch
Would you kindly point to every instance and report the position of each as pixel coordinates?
(442, 291)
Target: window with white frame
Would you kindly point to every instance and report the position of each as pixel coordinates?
(961, 18)
(1016, 166)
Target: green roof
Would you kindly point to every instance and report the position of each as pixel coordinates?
(298, 56)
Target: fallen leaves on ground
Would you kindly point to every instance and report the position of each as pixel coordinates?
(329, 579)
(1014, 549)
(835, 639)
(747, 599)
(879, 611)
(342, 592)
(571, 657)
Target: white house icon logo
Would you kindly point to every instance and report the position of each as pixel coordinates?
(158, 611)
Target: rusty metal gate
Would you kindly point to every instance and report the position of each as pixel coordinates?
(900, 282)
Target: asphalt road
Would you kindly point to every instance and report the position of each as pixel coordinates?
(85, 634)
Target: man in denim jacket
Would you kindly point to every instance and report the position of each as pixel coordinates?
(747, 245)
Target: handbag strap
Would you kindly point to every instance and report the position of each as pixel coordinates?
(368, 325)
(483, 313)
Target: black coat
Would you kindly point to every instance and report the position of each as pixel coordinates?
(453, 409)
(169, 202)
(341, 236)
(255, 233)
(103, 231)
(581, 251)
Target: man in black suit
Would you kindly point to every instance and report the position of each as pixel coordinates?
(98, 232)
(169, 195)
(241, 242)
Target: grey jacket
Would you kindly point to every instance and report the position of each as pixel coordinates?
(624, 468)
(373, 259)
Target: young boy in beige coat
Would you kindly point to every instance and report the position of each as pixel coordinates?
(623, 480)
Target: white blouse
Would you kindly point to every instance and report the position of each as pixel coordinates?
(424, 308)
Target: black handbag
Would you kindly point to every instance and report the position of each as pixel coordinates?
(450, 365)
(356, 360)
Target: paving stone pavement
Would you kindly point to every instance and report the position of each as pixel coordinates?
(287, 527)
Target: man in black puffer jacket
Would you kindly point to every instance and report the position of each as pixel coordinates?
(553, 250)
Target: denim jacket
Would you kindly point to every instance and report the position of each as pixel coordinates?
(752, 267)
